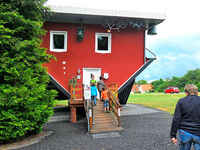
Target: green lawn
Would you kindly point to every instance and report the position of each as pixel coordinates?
(164, 102)
(61, 102)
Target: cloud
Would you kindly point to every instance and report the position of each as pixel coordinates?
(168, 57)
(147, 76)
(175, 57)
(196, 57)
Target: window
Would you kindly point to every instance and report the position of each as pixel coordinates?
(58, 41)
(103, 43)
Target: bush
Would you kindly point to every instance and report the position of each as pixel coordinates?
(25, 103)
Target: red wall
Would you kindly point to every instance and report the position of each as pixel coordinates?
(127, 53)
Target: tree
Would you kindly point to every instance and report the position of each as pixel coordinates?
(156, 84)
(191, 77)
(163, 86)
(198, 85)
(176, 82)
(25, 103)
(140, 82)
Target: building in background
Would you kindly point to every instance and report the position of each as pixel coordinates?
(144, 88)
(106, 43)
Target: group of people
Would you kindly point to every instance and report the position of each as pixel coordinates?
(103, 93)
(186, 120)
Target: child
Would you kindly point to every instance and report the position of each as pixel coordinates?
(93, 93)
(104, 96)
(100, 85)
(93, 80)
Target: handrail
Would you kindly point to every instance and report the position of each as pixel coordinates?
(88, 111)
(89, 107)
(113, 88)
(76, 91)
(151, 53)
(114, 105)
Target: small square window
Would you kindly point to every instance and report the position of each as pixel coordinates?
(58, 41)
(103, 43)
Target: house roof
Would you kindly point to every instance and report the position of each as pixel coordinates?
(146, 87)
(95, 16)
(135, 88)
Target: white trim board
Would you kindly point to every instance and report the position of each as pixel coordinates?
(59, 84)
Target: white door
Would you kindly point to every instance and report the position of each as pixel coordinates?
(87, 75)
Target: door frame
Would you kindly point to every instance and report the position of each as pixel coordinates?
(84, 69)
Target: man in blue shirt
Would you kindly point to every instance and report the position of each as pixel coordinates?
(186, 120)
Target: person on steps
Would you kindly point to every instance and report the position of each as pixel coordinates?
(100, 85)
(93, 94)
(104, 96)
(93, 81)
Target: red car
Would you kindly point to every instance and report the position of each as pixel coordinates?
(172, 90)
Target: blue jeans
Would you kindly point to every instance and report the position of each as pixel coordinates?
(94, 98)
(106, 103)
(186, 140)
(100, 95)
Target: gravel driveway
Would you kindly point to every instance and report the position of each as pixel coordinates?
(145, 129)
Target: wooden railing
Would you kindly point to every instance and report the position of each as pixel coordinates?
(76, 92)
(88, 111)
(112, 88)
(115, 106)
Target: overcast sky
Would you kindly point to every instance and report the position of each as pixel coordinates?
(177, 43)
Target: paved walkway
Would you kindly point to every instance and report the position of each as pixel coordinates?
(132, 109)
(145, 129)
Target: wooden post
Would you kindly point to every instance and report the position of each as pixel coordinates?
(73, 114)
(119, 119)
(83, 91)
(90, 117)
(116, 90)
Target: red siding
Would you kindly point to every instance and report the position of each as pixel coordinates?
(126, 57)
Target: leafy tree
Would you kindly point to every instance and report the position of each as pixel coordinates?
(25, 103)
(191, 77)
(140, 82)
(156, 84)
(198, 85)
(163, 86)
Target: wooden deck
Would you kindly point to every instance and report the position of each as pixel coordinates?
(104, 122)
(76, 103)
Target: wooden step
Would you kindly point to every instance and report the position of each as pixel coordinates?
(106, 130)
(104, 122)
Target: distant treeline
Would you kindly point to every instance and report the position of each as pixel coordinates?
(191, 77)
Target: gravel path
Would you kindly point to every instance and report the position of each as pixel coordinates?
(142, 132)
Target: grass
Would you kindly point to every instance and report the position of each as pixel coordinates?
(61, 102)
(164, 102)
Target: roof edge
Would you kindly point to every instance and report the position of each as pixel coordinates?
(107, 12)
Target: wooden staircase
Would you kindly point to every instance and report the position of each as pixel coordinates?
(104, 122)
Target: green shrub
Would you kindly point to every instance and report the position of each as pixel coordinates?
(25, 103)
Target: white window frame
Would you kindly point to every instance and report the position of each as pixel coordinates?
(65, 41)
(109, 43)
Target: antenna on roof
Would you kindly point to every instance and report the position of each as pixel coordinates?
(120, 23)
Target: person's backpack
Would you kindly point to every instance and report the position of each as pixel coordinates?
(100, 85)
